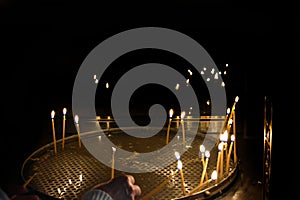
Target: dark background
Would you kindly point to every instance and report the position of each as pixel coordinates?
(44, 43)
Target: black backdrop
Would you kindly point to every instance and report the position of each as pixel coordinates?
(43, 44)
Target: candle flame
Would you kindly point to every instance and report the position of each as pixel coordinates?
(230, 121)
(64, 111)
(182, 115)
(114, 149)
(214, 175)
(225, 135)
(207, 154)
(171, 112)
(177, 155)
(52, 114)
(236, 99)
(76, 119)
(107, 85)
(202, 148)
(228, 111)
(232, 138)
(220, 146)
(179, 165)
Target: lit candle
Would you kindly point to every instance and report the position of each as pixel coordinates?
(225, 139)
(214, 175)
(222, 157)
(225, 120)
(179, 167)
(53, 130)
(220, 147)
(229, 153)
(202, 151)
(234, 143)
(64, 127)
(169, 125)
(207, 155)
(113, 163)
(108, 123)
(80, 177)
(177, 155)
(183, 133)
(78, 129)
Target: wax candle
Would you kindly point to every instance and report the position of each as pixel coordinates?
(183, 131)
(220, 147)
(234, 142)
(202, 151)
(207, 155)
(78, 129)
(169, 125)
(53, 131)
(179, 167)
(229, 154)
(113, 163)
(64, 128)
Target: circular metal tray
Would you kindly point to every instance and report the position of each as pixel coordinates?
(73, 170)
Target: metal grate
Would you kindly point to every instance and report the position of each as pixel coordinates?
(73, 170)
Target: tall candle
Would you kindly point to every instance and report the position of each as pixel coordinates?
(113, 163)
(53, 130)
(169, 125)
(229, 154)
(64, 127)
(207, 155)
(234, 143)
(225, 144)
(202, 151)
(179, 167)
(220, 147)
(78, 129)
(183, 132)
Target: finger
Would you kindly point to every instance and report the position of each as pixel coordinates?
(136, 190)
(131, 180)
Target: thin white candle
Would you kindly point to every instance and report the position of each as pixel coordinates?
(207, 155)
(229, 154)
(183, 131)
(171, 112)
(179, 167)
(64, 128)
(113, 162)
(53, 130)
(78, 129)
(220, 147)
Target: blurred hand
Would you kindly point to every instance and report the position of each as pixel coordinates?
(121, 187)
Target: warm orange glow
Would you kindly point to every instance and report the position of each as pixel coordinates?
(64, 111)
(236, 99)
(179, 165)
(228, 111)
(177, 155)
(76, 119)
(182, 115)
(171, 112)
(214, 175)
(207, 154)
(202, 148)
(52, 114)
(232, 138)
